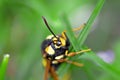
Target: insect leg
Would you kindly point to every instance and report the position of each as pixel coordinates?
(79, 52)
(47, 70)
(53, 73)
(70, 62)
(74, 63)
(79, 28)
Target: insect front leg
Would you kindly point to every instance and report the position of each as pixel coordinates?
(75, 53)
(79, 28)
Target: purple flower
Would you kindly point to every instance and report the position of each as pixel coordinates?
(107, 56)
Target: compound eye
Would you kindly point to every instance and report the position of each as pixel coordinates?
(58, 43)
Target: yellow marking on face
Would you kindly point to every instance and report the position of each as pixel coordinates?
(57, 46)
(63, 41)
(54, 62)
(66, 52)
(50, 50)
(54, 39)
(59, 57)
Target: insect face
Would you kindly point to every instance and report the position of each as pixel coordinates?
(59, 41)
(53, 47)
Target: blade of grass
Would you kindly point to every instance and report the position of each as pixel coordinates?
(4, 66)
(76, 47)
(84, 32)
(73, 42)
(70, 33)
(83, 35)
(107, 67)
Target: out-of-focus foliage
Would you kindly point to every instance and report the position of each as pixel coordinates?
(22, 31)
(3, 66)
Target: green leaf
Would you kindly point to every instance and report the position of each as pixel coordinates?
(83, 35)
(110, 69)
(4, 66)
(70, 34)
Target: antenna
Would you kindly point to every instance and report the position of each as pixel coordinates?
(46, 23)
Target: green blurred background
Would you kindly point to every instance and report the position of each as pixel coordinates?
(22, 30)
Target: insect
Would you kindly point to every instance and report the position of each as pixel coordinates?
(55, 50)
